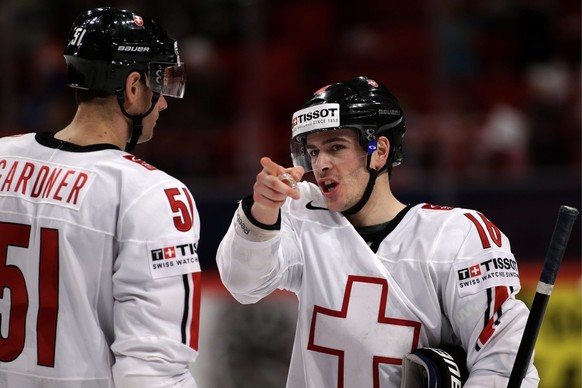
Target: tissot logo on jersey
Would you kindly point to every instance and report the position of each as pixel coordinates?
(487, 271)
(497, 263)
(173, 259)
(316, 117)
(44, 182)
(170, 252)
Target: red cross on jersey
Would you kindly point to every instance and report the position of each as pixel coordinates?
(360, 335)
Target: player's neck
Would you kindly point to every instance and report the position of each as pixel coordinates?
(381, 207)
(95, 126)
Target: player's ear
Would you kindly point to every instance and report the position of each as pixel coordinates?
(382, 152)
(132, 86)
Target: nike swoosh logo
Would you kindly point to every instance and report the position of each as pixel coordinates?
(310, 206)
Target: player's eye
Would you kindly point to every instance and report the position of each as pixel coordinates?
(313, 152)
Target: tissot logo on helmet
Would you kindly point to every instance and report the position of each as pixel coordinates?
(320, 116)
(316, 114)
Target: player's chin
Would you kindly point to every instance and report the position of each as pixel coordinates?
(145, 137)
(334, 206)
(147, 134)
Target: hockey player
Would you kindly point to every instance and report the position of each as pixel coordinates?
(99, 273)
(376, 279)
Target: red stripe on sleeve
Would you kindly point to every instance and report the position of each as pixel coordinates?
(501, 295)
(196, 298)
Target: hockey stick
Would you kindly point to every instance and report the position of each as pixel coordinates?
(566, 217)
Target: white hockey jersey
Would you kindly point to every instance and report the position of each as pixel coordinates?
(441, 276)
(98, 267)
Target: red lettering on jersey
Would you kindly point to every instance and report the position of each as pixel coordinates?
(9, 177)
(77, 186)
(40, 181)
(429, 206)
(47, 182)
(24, 177)
(51, 182)
(62, 184)
(137, 160)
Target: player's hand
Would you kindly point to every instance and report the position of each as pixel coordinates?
(270, 192)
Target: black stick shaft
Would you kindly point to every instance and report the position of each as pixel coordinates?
(566, 217)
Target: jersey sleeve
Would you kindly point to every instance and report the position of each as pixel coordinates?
(480, 300)
(156, 286)
(250, 259)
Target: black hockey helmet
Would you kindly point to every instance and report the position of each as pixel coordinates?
(360, 103)
(106, 44)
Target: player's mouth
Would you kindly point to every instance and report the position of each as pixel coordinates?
(327, 186)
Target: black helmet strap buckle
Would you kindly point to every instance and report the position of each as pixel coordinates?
(136, 120)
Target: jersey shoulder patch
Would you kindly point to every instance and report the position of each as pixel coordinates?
(490, 269)
(173, 257)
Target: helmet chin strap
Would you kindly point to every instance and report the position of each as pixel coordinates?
(369, 187)
(136, 120)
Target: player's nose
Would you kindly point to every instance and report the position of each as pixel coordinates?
(323, 162)
(162, 103)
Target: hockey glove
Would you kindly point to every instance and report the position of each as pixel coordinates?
(444, 367)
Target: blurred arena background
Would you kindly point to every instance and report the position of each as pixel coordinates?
(491, 91)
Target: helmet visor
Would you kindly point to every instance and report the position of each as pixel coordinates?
(167, 79)
(299, 155)
(334, 149)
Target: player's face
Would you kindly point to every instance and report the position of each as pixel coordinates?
(149, 122)
(339, 166)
